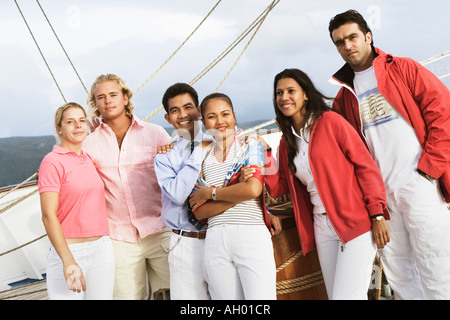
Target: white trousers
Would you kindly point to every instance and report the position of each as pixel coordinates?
(346, 269)
(187, 271)
(96, 260)
(417, 260)
(240, 263)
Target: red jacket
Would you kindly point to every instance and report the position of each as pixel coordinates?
(419, 97)
(347, 179)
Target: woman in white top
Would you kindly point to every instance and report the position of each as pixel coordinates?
(239, 256)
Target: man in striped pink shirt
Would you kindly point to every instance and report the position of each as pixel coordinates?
(122, 148)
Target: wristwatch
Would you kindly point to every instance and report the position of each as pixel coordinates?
(213, 194)
(377, 217)
(426, 175)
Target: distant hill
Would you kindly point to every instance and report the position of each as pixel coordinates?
(243, 126)
(20, 157)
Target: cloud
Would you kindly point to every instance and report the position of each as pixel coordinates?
(134, 38)
(90, 28)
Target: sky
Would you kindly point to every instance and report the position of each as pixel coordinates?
(134, 38)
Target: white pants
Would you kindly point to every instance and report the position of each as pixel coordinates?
(96, 260)
(346, 268)
(239, 262)
(417, 260)
(187, 270)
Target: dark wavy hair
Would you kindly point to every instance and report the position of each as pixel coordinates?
(349, 16)
(313, 109)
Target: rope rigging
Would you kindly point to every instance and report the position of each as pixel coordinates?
(257, 22)
(437, 58)
(233, 44)
(271, 6)
(62, 47)
(179, 47)
(40, 51)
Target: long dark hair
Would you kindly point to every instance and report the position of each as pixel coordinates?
(313, 109)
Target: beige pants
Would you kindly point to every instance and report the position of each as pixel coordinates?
(137, 263)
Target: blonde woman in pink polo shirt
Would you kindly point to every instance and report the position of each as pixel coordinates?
(80, 264)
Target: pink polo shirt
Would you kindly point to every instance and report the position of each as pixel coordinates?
(82, 206)
(133, 196)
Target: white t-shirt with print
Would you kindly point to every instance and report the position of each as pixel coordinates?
(392, 142)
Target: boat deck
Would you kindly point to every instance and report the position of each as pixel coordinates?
(33, 291)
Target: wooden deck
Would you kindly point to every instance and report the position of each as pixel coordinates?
(33, 291)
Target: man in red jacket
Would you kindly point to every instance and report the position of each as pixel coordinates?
(402, 113)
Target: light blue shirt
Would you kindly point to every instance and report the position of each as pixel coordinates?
(177, 172)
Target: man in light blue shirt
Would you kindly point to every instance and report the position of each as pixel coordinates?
(177, 172)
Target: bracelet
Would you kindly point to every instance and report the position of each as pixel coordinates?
(213, 194)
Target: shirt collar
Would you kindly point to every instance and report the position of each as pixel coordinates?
(304, 132)
(199, 137)
(137, 121)
(134, 121)
(61, 150)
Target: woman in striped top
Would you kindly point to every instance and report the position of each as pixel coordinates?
(239, 257)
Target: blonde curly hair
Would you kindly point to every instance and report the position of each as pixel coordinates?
(93, 111)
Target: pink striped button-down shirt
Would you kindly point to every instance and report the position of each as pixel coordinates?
(133, 196)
